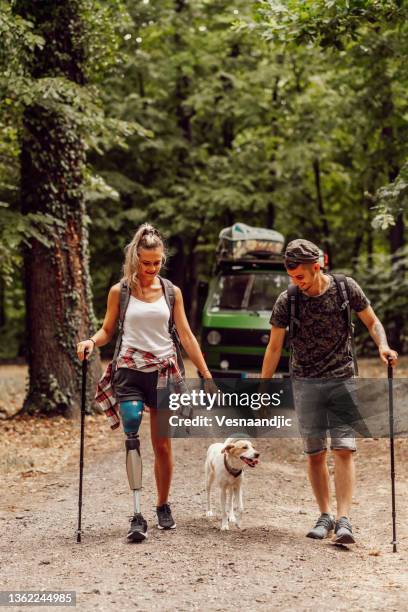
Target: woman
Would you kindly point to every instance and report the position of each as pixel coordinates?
(147, 353)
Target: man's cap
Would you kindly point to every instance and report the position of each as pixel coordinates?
(301, 251)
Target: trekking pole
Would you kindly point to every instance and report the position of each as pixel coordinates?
(391, 417)
(81, 454)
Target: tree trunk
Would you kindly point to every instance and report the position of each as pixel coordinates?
(270, 216)
(177, 262)
(320, 206)
(58, 297)
(369, 235)
(397, 237)
(184, 113)
(397, 241)
(358, 241)
(2, 303)
(192, 283)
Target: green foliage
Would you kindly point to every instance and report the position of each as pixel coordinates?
(391, 199)
(198, 114)
(331, 23)
(368, 40)
(387, 287)
(17, 229)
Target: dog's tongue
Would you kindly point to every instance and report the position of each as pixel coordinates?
(251, 462)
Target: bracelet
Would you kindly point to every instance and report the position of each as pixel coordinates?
(92, 340)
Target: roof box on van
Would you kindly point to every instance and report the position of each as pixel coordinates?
(240, 241)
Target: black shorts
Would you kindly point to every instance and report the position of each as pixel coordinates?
(133, 385)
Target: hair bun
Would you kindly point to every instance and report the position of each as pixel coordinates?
(149, 229)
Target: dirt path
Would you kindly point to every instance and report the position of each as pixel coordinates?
(267, 565)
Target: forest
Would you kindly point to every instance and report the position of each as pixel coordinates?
(191, 115)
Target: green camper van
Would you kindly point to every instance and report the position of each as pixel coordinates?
(248, 277)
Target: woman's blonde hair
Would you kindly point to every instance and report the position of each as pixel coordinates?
(146, 237)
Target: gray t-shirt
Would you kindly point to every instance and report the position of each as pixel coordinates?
(321, 348)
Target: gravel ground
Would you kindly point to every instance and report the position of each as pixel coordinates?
(267, 565)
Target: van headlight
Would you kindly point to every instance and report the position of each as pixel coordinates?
(213, 337)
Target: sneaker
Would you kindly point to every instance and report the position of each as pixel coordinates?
(343, 532)
(324, 524)
(165, 520)
(138, 529)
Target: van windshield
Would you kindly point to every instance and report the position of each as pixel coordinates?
(248, 291)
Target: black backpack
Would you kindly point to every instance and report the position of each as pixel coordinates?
(169, 296)
(343, 291)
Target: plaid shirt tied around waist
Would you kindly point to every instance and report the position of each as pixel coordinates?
(168, 374)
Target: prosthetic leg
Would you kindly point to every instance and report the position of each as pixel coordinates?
(134, 468)
(131, 413)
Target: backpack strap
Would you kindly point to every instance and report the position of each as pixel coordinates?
(294, 320)
(123, 304)
(170, 297)
(294, 310)
(344, 292)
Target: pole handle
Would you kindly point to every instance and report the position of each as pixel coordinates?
(390, 368)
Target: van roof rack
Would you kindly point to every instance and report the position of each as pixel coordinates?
(272, 262)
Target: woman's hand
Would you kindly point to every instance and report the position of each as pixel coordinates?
(85, 345)
(210, 387)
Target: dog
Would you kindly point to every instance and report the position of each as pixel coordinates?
(224, 467)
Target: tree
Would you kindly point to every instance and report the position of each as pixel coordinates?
(57, 284)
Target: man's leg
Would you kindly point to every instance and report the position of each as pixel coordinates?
(318, 473)
(309, 405)
(343, 405)
(344, 479)
(319, 479)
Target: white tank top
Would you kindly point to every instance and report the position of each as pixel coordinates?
(146, 327)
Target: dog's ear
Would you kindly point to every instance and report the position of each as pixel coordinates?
(227, 448)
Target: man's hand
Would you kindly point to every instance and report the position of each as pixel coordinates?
(386, 353)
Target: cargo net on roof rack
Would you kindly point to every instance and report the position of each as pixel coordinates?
(240, 241)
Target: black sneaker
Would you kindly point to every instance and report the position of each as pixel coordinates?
(165, 520)
(324, 524)
(343, 532)
(138, 529)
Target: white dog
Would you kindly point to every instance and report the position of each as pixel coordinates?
(224, 465)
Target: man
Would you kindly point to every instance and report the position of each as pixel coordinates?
(322, 371)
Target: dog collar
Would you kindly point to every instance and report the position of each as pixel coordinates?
(233, 471)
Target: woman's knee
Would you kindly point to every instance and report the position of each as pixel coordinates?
(162, 447)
